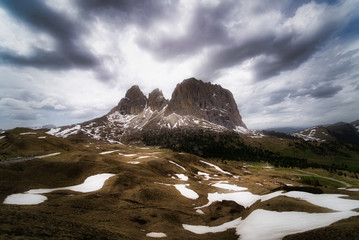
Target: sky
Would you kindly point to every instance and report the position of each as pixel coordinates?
(287, 63)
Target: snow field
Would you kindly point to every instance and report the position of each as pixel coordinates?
(271, 225)
(33, 196)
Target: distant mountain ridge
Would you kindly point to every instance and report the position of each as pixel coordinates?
(341, 131)
(194, 104)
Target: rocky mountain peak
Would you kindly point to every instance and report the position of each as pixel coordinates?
(156, 100)
(207, 101)
(133, 103)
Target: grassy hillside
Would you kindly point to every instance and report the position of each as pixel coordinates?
(141, 197)
(279, 151)
(24, 142)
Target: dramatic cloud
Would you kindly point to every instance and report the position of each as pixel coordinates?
(286, 62)
(39, 17)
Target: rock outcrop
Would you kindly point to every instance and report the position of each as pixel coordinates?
(156, 100)
(133, 103)
(206, 101)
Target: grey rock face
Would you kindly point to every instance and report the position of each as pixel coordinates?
(133, 103)
(207, 101)
(156, 100)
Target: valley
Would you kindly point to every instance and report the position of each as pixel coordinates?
(157, 192)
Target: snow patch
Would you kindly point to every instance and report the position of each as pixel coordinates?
(48, 155)
(206, 229)
(133, 162)
(28, 133)
(156, 235)
(245, 199)
(186, 192)
(227, 186)
(127, 155)
(350, 189)
(199, 211)
(108, 152)
(177, 165)
(271, 225)
(24, 199)
(182, 177)
(33, 196)
(216, 167)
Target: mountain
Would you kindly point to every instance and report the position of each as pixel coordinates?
(355, 124)
(205, 101)
(343, 132)
(194, 104)
(287, 130)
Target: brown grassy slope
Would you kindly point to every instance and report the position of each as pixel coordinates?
(17, 145)
(133, 202)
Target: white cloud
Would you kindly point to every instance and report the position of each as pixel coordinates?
(16, 37)
(282, 60)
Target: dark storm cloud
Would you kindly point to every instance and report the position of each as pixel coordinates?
(206, 28)
(326, 91)
(276, 53)
(139, 12)
(316, 92)
(68, 53)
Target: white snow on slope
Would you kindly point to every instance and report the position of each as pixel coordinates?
(186, 192)
(156, 235)
(53, 131)
(350, 189)
(48, 155)
(28, 133)
(335, 202)
(206, 229)
(133, 162)
(245, 199)
(24, 199)
(64, 133)
(216, 167)
(182, 177)
(127, 155)
(227, 186)
(177, 165)
(108, 152)
(309, 136)
(32, 197)
(271, 225)
(1, 137)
